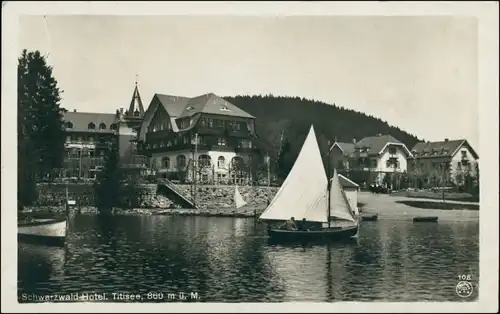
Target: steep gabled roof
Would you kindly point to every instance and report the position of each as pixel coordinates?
(81, 120)
(375, 145)
(347, 148)
(212, 104)
(174, 105)
(446, 148)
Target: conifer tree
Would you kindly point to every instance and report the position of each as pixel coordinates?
(40, 124)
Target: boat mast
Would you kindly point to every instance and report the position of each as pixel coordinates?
(195, 166)
(329, 185)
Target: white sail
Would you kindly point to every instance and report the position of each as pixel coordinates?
(339, 205)
(304, 193)
(238, 199)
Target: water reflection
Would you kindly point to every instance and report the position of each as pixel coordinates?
(226, 259)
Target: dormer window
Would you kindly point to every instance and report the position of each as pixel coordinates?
(113, 127)
(224, 108)
(69, 125)
(189, 108)
(102, 126)
(91, 126)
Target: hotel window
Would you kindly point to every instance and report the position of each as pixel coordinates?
(203, 122)
(69, 125)
(220, 124)
(244, 144)
(221, 161)
(204, 160)
(210, 123)
(459, 165)
(91, 126)
(392, 150)
(373, 163)
(68, 138)
(166, 162)
(91, 139)
(181, 161)
(464, 153)
(221, 141)
(102, 126)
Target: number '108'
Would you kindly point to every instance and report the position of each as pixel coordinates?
(464, 277)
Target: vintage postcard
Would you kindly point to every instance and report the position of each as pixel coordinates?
(250, 157)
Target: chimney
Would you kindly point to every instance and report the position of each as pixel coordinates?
(446, 140)
(74, 110)
(121, 110)
(354, 140)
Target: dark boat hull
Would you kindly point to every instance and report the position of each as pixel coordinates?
(42, 240)
(331, 234)
(425, 219)
(369, 217)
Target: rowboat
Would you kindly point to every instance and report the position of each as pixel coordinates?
(43, 229)
(51, 231)
(425, 219)
(369, 217)
(307, 194)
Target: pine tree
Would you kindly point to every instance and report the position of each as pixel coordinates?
(40, 124)
(109, 183)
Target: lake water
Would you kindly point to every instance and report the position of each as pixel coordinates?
(229, 259)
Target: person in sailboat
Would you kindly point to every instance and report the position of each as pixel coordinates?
(289, 224)
(302, 225)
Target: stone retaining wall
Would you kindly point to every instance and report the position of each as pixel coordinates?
(211, 200)
(222, 196)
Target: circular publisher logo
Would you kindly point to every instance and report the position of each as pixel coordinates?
(464, 289)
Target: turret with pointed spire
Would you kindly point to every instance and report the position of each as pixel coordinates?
(136, 108)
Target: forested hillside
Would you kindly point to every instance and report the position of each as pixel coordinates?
(293, 116)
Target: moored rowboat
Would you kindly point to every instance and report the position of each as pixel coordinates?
(425, 219)
(371, 217)
(49, 231)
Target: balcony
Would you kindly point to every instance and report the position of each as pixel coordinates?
(135, 161)
(246, 150)
(83, 162)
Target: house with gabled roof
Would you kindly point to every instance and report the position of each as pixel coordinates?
(370, 159)
(448, 159)
(204, 137)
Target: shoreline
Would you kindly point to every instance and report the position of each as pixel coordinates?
(245, 212)
(248, 211)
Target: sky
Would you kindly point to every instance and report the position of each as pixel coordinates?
(418, 73)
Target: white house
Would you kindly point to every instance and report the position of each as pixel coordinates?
(371, 158)
(451, 157)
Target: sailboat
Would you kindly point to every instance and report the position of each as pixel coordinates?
(238, 199)
(307, 193)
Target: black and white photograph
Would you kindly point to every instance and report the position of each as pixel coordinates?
(308, 154)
